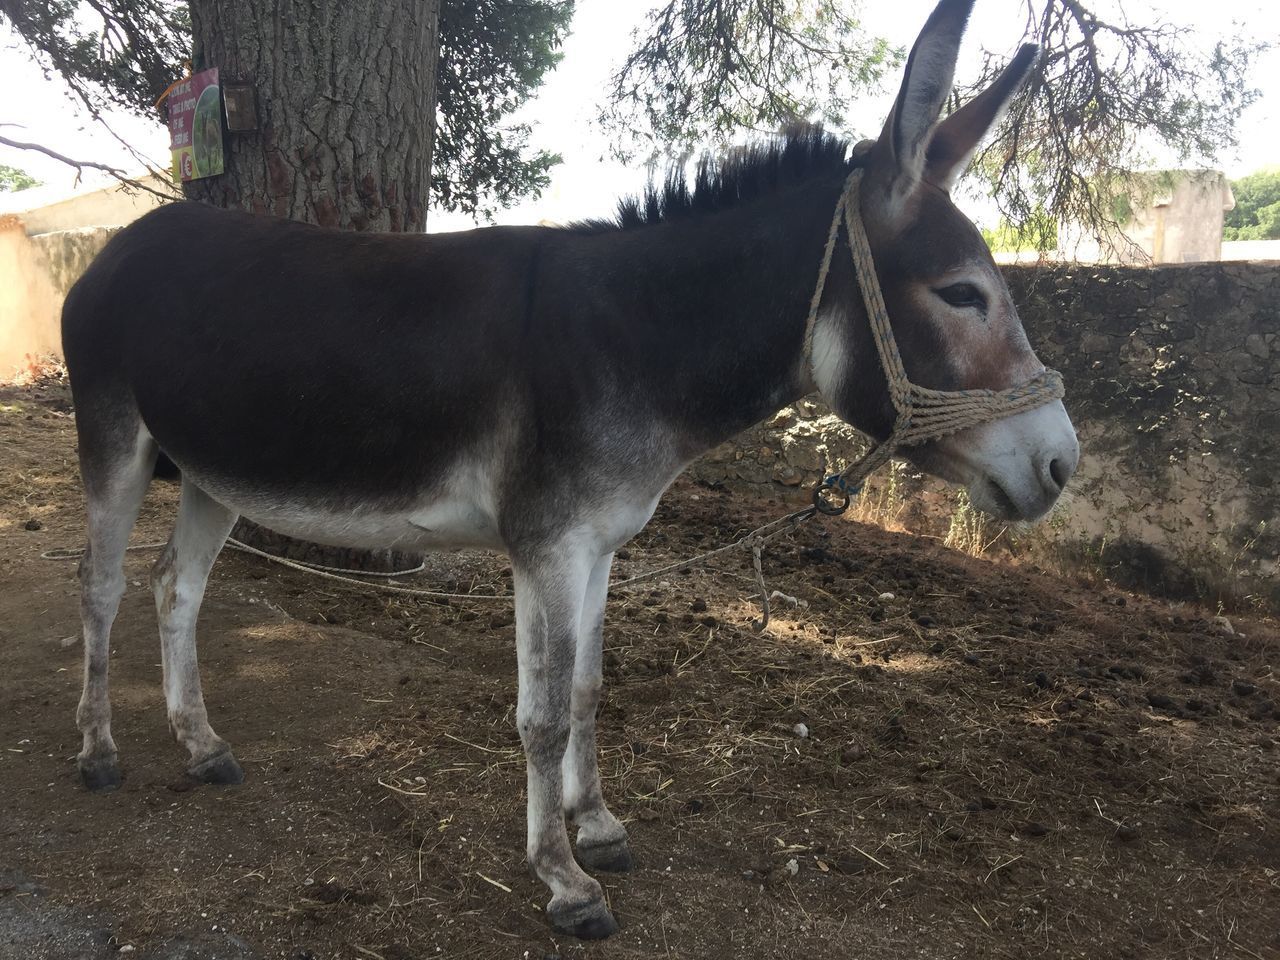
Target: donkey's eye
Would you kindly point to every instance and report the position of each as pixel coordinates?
(962, 295)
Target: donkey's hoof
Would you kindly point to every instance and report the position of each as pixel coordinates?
(220, 768)
(590, 920)
(100, 773)
(607, 857)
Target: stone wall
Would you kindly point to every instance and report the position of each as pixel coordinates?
(1173, 381)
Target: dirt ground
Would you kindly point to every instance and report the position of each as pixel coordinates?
(997, 763)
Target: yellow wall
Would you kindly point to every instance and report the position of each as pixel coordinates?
(46, 242)
(29, 306)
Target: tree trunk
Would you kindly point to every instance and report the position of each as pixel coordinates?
(346, 98)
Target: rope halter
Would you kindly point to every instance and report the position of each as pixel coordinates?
(922, 413)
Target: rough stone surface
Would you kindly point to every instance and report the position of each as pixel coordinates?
(1173, 381)
(67, 253)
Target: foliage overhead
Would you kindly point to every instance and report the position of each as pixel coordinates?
(124, 54)
(13, 179)
(1109, 95)
(493, 56)
(1106, 91)
(1257, 211)
(704, 71)
(494, 53)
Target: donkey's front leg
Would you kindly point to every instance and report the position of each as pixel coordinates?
(550, 585)
(602, 839)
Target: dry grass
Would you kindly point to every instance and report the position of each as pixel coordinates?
(37, 371)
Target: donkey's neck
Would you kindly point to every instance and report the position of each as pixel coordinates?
(713, 309)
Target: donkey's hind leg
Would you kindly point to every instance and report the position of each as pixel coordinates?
(115, 464)
(178, 580)
(602, 839)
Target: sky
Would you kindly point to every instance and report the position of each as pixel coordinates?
(588, 183)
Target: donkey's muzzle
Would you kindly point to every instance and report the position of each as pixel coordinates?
(1019, 466)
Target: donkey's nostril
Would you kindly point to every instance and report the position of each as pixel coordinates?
(1060, 470)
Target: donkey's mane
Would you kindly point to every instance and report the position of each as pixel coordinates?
(799, 153)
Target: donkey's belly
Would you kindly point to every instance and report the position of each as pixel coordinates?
(455, 517)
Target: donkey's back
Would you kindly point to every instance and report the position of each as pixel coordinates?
(240, 339)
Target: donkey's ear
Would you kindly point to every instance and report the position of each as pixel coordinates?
(925, 87)
(957, 137)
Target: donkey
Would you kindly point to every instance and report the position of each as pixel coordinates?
(530, 390)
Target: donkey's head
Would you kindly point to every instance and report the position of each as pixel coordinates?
(951, 312)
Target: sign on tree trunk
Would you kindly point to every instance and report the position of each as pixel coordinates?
(195, 127)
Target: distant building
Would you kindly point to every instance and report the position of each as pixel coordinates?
(1169, 216)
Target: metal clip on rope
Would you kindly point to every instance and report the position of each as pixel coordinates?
(845, 492)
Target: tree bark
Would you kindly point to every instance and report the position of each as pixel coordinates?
(346, 101)
(346, 96)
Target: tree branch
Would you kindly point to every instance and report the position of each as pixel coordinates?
(82, 165)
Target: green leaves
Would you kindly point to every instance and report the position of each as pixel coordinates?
(1039, 233)
(1257, 211)
(493, 56)
(13, 179)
